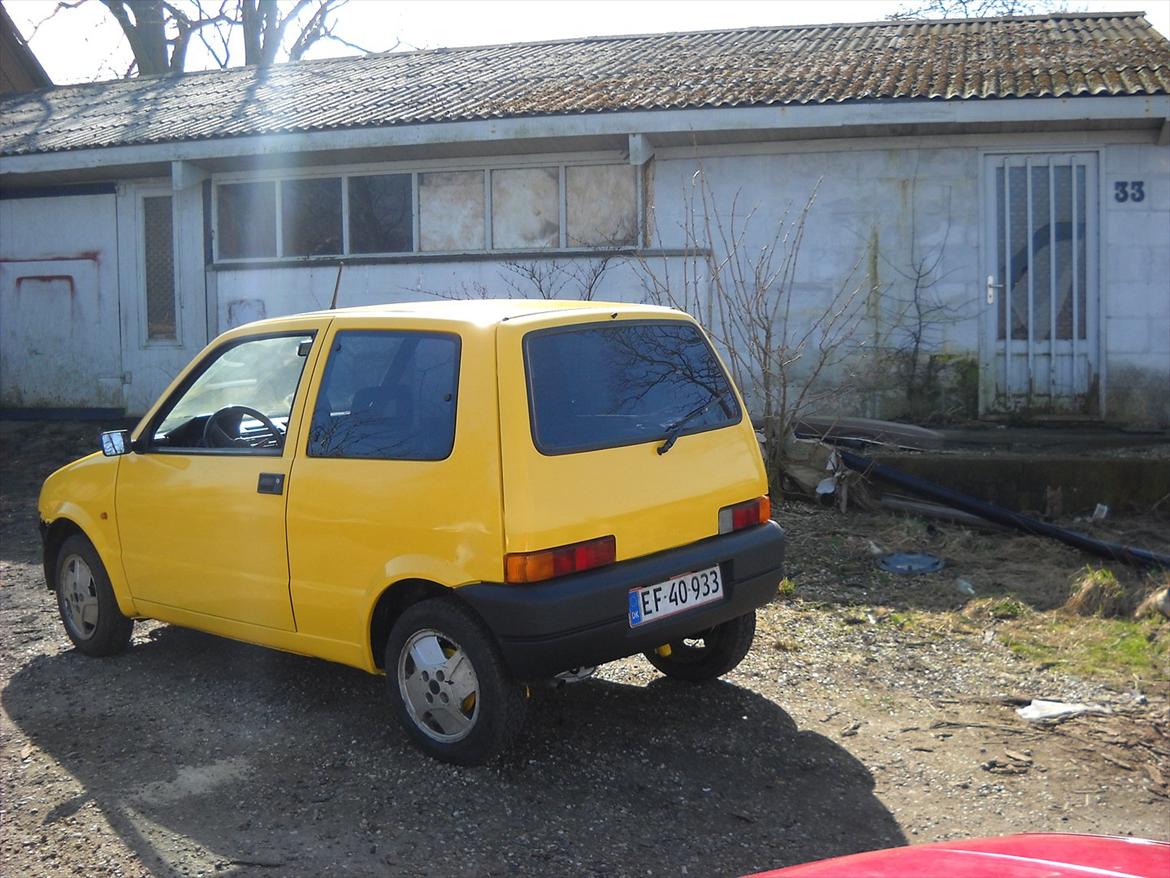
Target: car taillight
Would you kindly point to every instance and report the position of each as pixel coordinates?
(741, 515)
(561, 561)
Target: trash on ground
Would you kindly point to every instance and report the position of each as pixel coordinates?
(962, 586)
(868, 431)
(910, 563)
(1045, 711)
(992, 512)
(1101, 512)
(1156, 603)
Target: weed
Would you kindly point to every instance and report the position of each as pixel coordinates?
(786, 588)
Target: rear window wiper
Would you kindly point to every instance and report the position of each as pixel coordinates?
(674, 429)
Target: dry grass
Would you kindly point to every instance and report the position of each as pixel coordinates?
(1097, 592)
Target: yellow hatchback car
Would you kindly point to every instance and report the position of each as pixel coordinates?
(465, 496)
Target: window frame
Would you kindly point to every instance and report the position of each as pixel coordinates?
(736, 420)
(414, 170)
(140, 196)
(144, 444)
(322, 387)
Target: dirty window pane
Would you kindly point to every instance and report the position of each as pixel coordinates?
(310, 217)
(450, 210)
(387, 395)
(381, 218)
(1082, 266)
(526, 211)
(601, 207)
(260, 373)
(159, 261)
(592, 388)
(246, 215)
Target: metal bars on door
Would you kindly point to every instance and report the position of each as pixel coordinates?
(1041, 282)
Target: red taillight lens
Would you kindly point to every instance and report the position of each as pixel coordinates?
(561, 561)
(741, 515)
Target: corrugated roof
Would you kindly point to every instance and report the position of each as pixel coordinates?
(1036, 56)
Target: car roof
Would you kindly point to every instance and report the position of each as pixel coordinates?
(477, 312)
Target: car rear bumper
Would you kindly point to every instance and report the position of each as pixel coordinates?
(582, 620)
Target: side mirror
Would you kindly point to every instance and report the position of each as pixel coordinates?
(115, 442)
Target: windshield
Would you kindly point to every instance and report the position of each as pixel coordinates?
(602, 386)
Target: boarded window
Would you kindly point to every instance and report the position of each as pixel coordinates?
(450, 209)
(381, 215)
(158, 249)
(601, 208)
(310, 217)
(246, 214)
(526, 208)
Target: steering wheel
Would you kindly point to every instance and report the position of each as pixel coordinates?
(215, 436)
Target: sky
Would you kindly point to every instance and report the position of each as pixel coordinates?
(85, 44)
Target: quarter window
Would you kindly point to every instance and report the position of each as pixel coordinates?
(387, 395)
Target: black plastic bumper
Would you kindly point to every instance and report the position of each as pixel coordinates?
(582, 620)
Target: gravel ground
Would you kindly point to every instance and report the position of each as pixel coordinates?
(845, 729)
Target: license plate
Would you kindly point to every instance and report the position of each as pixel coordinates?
(679, 593)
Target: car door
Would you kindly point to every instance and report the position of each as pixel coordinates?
(201, 503)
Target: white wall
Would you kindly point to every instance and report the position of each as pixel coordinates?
(60, 343)
(1135, 283)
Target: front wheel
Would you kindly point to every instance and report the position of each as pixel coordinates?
(707, 654)
(449, 686)
(86, 601)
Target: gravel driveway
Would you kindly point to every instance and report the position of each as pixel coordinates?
(842, 731)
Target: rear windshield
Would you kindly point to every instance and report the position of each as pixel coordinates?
(601, 386)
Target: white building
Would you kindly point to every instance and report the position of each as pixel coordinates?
(992, 203)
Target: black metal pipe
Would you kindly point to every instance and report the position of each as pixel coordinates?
(1025, 523)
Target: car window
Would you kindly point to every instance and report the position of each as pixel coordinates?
(621, 384)
(240, 400)
(388, 395)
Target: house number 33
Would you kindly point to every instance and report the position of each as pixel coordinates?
(1134, 190)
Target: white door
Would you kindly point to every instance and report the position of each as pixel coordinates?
(162, 283)
(1041, 351)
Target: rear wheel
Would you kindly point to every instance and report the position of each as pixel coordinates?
(449, 686)
(86, 601)
(707, 654)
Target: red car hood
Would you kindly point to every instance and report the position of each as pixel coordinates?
(1042, 855)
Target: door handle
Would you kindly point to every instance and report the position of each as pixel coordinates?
(270, 483)
(992, 286)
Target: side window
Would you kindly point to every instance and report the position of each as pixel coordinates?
(387, 395)
(240, 400)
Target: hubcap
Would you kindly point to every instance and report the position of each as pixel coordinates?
(79, 597)
(438, 686)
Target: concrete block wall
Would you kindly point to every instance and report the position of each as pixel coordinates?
(1135, 282)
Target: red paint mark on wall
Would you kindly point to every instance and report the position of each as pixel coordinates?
(46, 279)
(84, 255)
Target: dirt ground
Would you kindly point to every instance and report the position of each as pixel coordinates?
(872, 711)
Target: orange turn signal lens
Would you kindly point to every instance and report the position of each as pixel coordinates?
(522, 567)
(741, 515)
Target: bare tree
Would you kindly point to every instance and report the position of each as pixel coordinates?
(159, 32)
(977, 8)
(746, 294)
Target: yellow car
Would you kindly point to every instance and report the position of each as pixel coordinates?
(465, 496)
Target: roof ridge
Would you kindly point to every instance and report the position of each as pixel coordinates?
(601, 38)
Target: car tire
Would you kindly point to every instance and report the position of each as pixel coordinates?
(708, 654)
(86, 602)
(449, 686)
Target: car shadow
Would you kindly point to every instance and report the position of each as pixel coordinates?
(205, 754)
